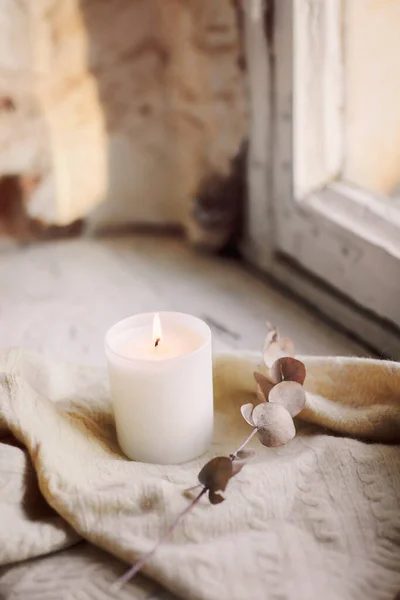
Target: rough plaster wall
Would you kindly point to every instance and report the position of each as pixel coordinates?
(372, 113)
(132, 103)
(54, 128)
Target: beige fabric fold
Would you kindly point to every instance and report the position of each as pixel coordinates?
(319, 517)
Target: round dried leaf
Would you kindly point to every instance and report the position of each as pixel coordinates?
(216, 473)
(260, 395)
(289, 394)
(215, 498)
(274, 423)
(272, 334)
(264, 383)
(246, 410)
(288, 368)
(245, 454)
(278, 349)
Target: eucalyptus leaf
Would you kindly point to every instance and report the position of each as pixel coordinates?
(215, 498)
(275, 424)
(272, 334)
(246, 410)
(288, 368)
(216, 473)
(278, 349)
(264, 383)
(245, 454)
(290, 395)
(260, 395)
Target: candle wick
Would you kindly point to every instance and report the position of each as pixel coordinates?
(157, 342)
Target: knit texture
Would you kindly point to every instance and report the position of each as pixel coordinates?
(319, 517)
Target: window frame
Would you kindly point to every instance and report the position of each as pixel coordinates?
(331, 243)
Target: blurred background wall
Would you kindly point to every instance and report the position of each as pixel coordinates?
(121, 112)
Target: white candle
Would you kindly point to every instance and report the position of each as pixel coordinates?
(160, 370)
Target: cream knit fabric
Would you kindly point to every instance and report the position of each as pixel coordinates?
(318, 518)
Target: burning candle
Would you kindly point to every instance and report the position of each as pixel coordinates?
(160, 370)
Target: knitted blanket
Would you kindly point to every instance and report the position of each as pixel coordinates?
(319, 517)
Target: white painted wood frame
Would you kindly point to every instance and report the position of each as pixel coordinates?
(300, 214)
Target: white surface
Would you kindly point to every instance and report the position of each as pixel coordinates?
(163, 401)
(61, 298)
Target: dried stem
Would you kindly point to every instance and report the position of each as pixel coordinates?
(194, 487)
(134, 570)
(233, 456)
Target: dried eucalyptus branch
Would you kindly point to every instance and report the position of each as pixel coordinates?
(281, 397)
(134, 570)
(212, 475)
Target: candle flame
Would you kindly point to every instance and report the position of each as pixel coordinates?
(156, 330)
